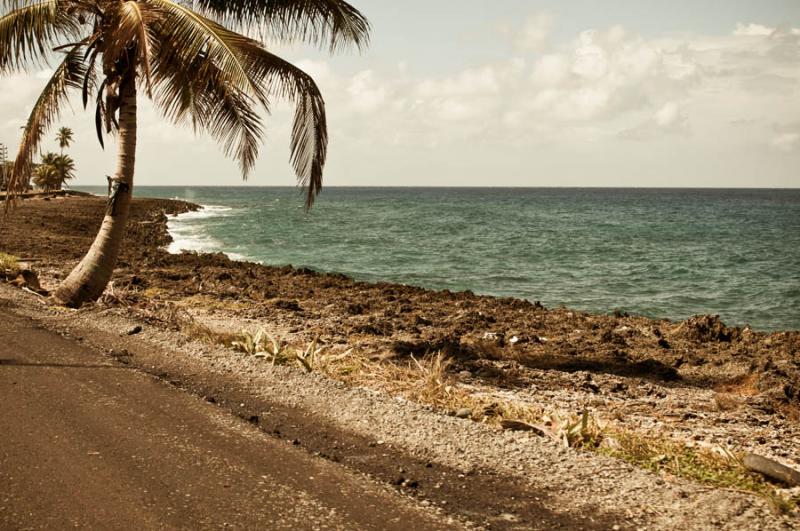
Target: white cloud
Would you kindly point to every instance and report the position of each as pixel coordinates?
(669, 115)
(550, 70)
(786, 142)
(670, 118)
(752, 30)
(472, 81)
(605, 84)
(367, 94)
(590, 59)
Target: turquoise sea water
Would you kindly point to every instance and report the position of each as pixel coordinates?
(662, 253)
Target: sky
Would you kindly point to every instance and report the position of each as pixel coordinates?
(641, 93)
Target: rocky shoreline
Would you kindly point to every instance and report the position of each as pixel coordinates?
(697, 381)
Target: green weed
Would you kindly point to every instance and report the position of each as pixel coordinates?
(9, 264)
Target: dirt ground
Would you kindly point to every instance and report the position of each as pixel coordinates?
(697, 381)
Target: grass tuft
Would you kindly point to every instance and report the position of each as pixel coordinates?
(720, 468)
(9, 264)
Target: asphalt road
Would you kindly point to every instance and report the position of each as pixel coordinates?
(85, 441)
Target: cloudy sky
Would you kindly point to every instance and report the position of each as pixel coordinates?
(518, 93)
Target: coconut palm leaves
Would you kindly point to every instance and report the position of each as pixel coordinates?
(333, 23)
(196, 69)
(29, 30)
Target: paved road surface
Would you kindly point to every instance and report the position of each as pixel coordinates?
(87, 442)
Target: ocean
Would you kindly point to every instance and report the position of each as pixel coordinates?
(664, 253)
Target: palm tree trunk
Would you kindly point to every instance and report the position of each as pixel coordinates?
(89, 278)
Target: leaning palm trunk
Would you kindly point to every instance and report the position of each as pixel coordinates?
(89, 278)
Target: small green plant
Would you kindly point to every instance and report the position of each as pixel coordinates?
(9, 264)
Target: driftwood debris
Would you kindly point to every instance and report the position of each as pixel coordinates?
(772, 469)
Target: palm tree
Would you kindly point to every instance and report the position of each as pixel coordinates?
(45, 176)
(54, 170)
(64, 138)
(200, 61)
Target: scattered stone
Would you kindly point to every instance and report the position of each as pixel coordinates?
(463, 413)
(422, 321)
(591, 386)
(618, 387)
(122, 356)
(289, 305)
(135, 330)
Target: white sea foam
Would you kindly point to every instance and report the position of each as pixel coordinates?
(189, 232)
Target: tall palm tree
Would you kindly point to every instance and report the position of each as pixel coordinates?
(64, 138)
(200, 61)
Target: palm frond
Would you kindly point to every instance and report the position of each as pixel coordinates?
(187, 35)
(267, 75)
(309, 141)
(69, 74)
(196, 91)
(332, 23)
(29, 32)
(230, 118)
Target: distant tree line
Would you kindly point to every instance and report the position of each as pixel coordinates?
(51, 173)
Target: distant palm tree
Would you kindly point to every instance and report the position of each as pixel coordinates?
(64, 138)
(63, 169)
(45, 176)
(196, 70)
